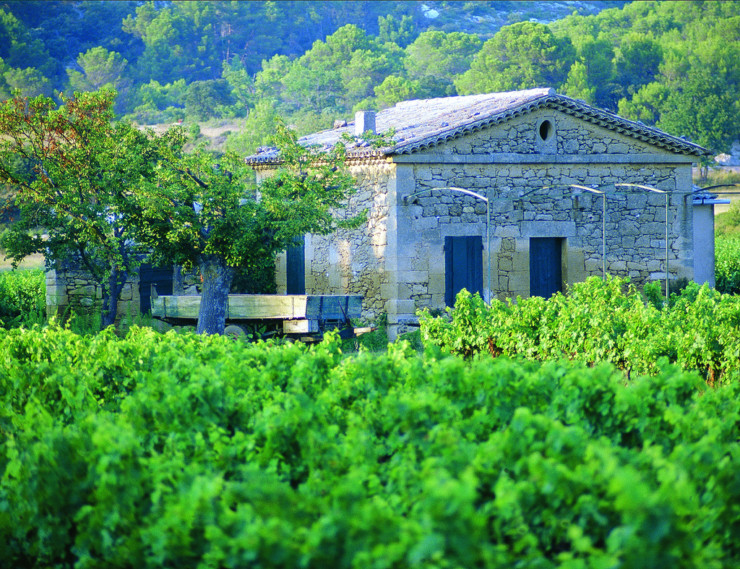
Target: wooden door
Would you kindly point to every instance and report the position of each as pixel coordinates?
(545, 266)
(160, 277)
(463, 266)
(295, 268)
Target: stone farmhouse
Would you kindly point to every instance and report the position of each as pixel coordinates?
(506, 194)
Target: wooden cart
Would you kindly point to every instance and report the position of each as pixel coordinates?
(300, 314)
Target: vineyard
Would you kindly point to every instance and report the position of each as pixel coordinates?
(602, 321)
(727, 263)
(177, 450)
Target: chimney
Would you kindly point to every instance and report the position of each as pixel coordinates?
(364, 121)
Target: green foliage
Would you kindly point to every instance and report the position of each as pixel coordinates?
(191, 451)
(74, 173)
(28, 82)
(161, 103)
(22, 298)
(336, 74)
(577, 85)
(727, 261)
(521, 56)
(20, 49)
(242, 86)
(397, 31)
(437, 57)
(100, 68)
(394, 89)
(205, 99)
(258, 130)
(600, 321)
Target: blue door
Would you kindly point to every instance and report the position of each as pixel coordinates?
(463, 266)
(295, 268)
(545, 266)
(160, 277)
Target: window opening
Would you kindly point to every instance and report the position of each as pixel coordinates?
(546, 130)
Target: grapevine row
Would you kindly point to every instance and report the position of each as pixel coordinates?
(601, 320)
(184, 451)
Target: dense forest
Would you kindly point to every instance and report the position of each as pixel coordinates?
(675, 65)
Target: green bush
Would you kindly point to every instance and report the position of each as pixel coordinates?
(727, 263)
(167, 450)
(22, 297)
(600, 321)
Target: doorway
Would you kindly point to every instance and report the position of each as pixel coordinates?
(463, 266)
(545, 266)
(295, 267)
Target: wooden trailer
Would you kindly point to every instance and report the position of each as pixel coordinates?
(297, 315)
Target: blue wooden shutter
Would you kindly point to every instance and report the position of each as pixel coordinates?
(463, 266)
(545, 266)
(296, 268)
(160, 277)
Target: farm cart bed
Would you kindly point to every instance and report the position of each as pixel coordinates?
(292, 315)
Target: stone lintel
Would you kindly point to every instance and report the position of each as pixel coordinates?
(549, 228)
(510, 158)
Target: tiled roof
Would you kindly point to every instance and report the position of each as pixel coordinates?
(422, 124)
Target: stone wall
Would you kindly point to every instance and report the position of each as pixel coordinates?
(522, 207)
(523, 135)
(353, 261)
(70, 289)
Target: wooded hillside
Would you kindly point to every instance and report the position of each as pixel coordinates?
(669, 64)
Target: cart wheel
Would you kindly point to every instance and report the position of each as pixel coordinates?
(234, 331)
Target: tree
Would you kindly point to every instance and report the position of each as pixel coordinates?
(646, 105)
(20, 49)
(205, 211)
(637, 61)
(704, 111)
(366, 69)
(242, 86)
(577, 85)
(258, 130)
(398, 31)
(520, 56)
(206, 99)
(100, 68)
(441, 55)
(160, 103)
(333, 76)
(30, 82)
(75, 174)
(394, 89)
(695, 93)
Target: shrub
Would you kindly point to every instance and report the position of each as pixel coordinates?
(187, 451)
(599, 321)
(22, 297)
(727, 263)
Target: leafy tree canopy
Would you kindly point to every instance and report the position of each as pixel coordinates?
(205, 211)
(521, 56)
(76, 175)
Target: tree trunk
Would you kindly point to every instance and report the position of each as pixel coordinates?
(214, 300)
(111, 294)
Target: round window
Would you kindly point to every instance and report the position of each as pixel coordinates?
(546, 130)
